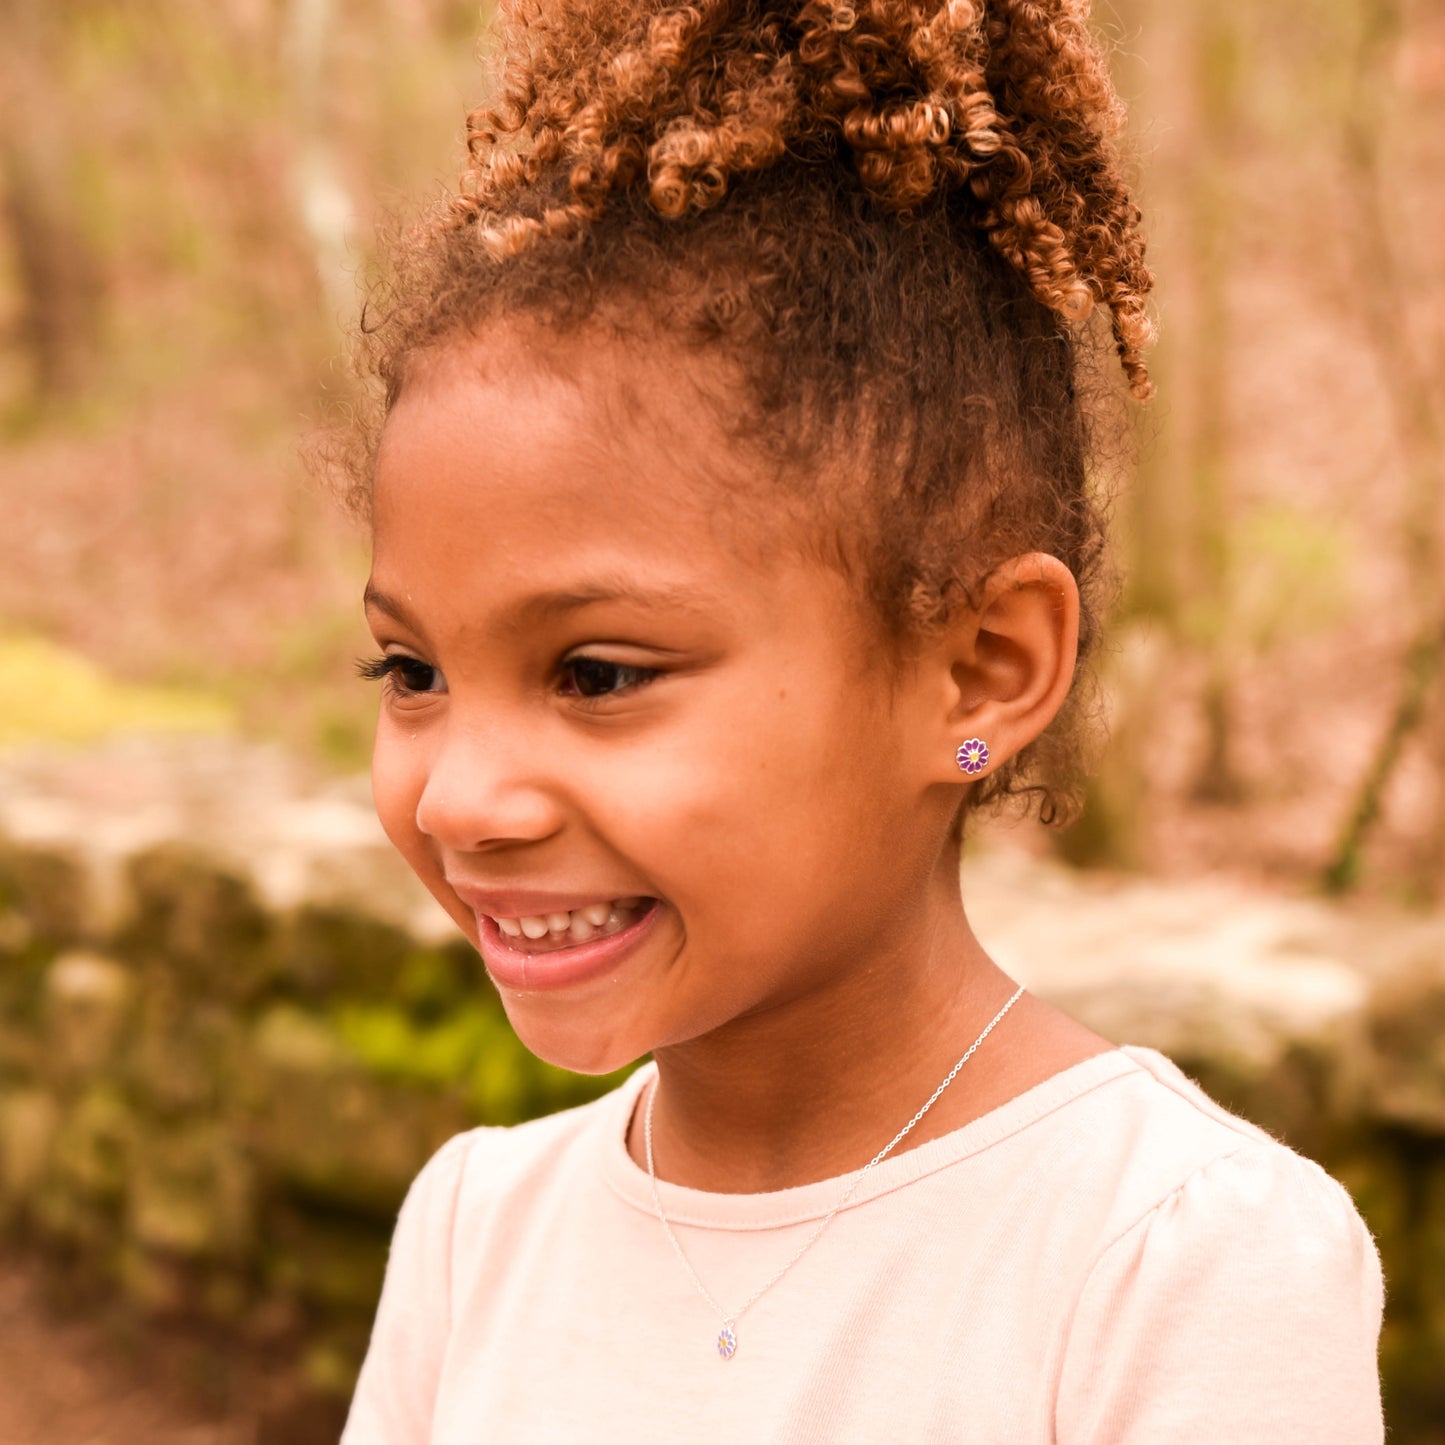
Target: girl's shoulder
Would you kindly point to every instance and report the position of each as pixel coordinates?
(484, 1169)
(1234, 1281)
(1169, 1147)
(481, 1185)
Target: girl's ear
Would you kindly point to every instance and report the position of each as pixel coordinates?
(1006, 667)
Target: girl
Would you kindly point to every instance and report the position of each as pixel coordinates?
(734, 540)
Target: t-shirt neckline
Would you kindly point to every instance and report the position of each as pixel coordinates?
(782, 1208)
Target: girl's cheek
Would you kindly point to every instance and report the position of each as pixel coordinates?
(398, 776)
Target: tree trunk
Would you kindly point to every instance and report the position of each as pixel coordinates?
(1415, 396)
(58, 273)
(322, 201)
(1216, 89)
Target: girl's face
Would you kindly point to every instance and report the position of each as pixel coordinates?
(618, 713)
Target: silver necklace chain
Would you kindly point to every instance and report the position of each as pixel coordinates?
(727, 1339)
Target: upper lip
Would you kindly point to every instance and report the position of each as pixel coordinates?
(527, 902)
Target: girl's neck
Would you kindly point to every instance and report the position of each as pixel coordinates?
(813, 1088)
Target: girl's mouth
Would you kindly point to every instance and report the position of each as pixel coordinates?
(559, 949)
(545, 933)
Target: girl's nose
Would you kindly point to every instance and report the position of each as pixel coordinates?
(484, 790)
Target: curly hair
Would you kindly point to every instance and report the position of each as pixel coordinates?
(896, 223)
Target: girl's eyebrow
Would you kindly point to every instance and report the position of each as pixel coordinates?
(545, 606)
(375, 600)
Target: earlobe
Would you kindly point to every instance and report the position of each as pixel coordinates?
(1011, 663)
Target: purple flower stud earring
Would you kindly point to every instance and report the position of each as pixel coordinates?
(973, 756)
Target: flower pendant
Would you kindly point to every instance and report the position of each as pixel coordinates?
(727, 1343)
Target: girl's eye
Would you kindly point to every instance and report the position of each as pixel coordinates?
(405, 674)
(589, 677)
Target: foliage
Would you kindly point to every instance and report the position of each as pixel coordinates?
(55, 695)
(173, 304)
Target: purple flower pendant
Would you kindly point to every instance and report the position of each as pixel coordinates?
(973, 756)
(727, 1343)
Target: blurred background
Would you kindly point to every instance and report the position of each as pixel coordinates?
(230, 1031)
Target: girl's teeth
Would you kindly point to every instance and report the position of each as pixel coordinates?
(575, 927)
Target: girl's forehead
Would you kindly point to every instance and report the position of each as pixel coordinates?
(544, 426)
(519, 481)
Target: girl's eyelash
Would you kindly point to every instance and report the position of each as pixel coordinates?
(589, 675)
(374, 669)
(392, 667)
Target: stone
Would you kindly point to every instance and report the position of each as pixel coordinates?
(16, 933)
(157, 1285)
(289, 1039)
(328, 950)
(329, 1130)
(80, 1196)
(88, 1000)
(225, 1297)
(191, 1194)
(29, 1122)
(92, 1145)
(1431, 1254)
(1406, 1032)
(202, 918)
(22, 1052)
(48, 886)
(186, 1052)
(333, 1263)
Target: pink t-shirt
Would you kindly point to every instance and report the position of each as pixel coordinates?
(1108, 1258)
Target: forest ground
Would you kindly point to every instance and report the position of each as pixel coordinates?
(69, 1378)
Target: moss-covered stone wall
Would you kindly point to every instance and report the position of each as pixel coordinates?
(216, 1108)
(212, 1101)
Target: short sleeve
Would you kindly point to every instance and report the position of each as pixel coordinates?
(1244, 1309)
(396, 1392)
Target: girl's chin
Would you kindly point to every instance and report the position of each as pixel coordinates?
(577, 1042)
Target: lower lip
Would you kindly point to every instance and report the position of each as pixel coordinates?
(562, 967)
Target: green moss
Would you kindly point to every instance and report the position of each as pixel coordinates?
(343, 738)
(22, 988)
(289, 1039)
(435, 982)
(327, 1260)
(472, 1049)
(55, 695)
(331, 950)
(203, 918)
(191, 1193)
(552, 1088)
(497, 1088)
(393, 1046)
(331, 1366)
